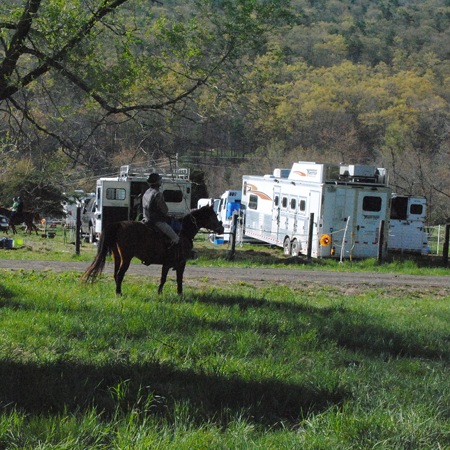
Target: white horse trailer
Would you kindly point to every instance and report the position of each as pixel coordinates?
(120, 198)
(407, 224)
(325, 210)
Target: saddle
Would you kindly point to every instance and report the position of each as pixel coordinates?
(159, 234)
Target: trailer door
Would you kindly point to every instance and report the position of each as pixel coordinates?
(115, 202)
(314, 207)
(276, 214)
(372, 208)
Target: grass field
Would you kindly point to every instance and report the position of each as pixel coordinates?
(220, 368)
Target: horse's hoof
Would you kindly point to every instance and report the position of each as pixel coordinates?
(145, 263)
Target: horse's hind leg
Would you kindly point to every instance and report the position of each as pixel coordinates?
(164, 272)
(121, 265)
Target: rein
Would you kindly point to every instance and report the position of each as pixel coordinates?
(185, 229)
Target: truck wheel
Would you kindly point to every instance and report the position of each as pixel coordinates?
(92, 236)
(287, 246)
(295, 248)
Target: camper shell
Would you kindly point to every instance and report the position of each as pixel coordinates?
(325, 210)
(120, 198)
(407, 224)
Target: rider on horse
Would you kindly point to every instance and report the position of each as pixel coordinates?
(155, 209)
(16, 208)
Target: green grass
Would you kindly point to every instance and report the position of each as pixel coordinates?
(241, 367)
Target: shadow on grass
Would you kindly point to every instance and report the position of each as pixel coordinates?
(353, 330)
(63, 387)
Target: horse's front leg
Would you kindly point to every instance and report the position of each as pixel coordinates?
(164, 272)
(180, 272)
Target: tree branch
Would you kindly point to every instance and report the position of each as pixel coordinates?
(17, 47)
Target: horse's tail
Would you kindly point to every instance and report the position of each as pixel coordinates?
(104, 247)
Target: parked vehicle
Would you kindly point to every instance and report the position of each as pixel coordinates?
(228, 205)
(88, 218)
(407, 224)
(4, 224)
(207, 201)
(326, 210)
(77, 199)
(120, 198)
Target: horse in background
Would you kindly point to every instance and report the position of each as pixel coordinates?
(27, 217)
(128, 239)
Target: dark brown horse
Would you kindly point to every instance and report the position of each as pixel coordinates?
(134, 239)
(26, 217)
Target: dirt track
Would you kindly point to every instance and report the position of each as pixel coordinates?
(230, 276)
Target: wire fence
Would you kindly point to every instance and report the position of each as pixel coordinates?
(436, 238)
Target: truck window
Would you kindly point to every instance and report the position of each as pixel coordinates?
(116, 194)
(372, 204)
(253, 202)
(416, 209)
(173, 196)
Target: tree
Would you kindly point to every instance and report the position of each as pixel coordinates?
(117, 60)
(41, 191)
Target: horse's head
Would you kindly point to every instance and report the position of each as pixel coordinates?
(206, 218)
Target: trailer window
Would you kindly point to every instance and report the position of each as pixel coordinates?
(116, 194)
(276, 200)
(399, 208)
(302, 205)
(372, 204)
(416, 209)
(284, 202)
(293, 203)
(173, 196)
(253, 202)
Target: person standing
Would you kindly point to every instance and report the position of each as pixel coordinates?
(155, 209)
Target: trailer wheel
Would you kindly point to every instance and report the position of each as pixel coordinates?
(295, 248)
(287, 246)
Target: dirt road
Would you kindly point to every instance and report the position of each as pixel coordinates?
(259, 277)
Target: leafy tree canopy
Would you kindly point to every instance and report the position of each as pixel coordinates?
(117, 60)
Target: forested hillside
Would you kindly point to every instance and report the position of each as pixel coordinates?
(229, 87)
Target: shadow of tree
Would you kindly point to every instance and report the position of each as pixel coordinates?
(65, 386)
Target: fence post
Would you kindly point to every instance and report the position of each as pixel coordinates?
(78, 231)
(380, 242)
(310, 236)
(232, 252)
(446, 245)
